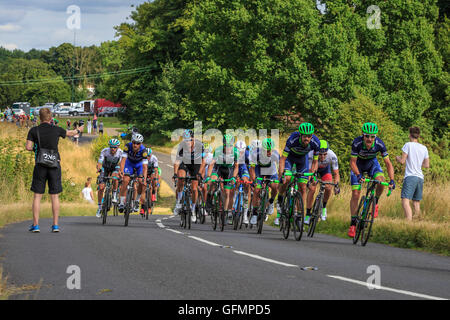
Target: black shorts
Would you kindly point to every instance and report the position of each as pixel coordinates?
(43, 174)
(193, 169)
(223, 172)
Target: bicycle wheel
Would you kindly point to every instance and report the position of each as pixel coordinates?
(368, 222)
(128, 205)
(105, 206)
(317, 208)
(262, 212)
(223, 218)
(237, 216)
(358, 220)
(298, 216)
(148, 202)
(215, 211)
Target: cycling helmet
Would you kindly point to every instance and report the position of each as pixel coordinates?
(188, 134)
(207, 147)
(228, 140)
(306, 128)
(255, 144)
(240, 145)
(370, 128)
(149, 152)
(268, 144)
(114, 143)
(137, 138)
(323, 146)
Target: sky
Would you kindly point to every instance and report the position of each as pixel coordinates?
(41, 24)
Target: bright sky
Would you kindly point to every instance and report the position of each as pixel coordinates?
(41, 24)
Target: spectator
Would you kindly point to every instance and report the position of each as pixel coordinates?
(46, 136)
(68, 124)
(94, 124)
(415, 155)
(87, 192)
(100, 127)
(89, 126)
(76, 137)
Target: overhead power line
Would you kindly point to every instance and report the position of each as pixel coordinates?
(80, 77)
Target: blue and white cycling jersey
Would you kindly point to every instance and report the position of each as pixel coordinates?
(135, 160)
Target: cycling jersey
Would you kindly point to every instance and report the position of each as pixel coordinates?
(135, 157)
(295, 149)
(225, 159)
(360, 151)
(367, 159)
(152, 165)
(190, 156)
(109, 161)
(331, 161)
(134, 160)
(265, 165)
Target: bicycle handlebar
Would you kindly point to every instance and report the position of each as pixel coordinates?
(380, 182)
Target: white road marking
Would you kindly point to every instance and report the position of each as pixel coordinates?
(205, 241)
(175, 231)
(265, 259)
(418, 295)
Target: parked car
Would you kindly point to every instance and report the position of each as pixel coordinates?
(25, 106)
(47, 105)
(18, 112)
(83, 108)
(63, 108)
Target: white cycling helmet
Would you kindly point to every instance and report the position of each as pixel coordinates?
(255, 144)
(137, 138)
(240, 145)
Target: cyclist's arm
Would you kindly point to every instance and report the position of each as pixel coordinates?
(202, 167)
(211, 167)
(236, 169)
(282, 163)
(337, 177)
(251, 170)
(353, 166)
(145, 170)
(176, 166)
(389, 167)
(122, 164)
(315, 165)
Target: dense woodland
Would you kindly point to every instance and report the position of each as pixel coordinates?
(262, 64)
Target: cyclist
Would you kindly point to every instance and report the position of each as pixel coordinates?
(190, 159)
(327, 161)
(225, 165)
(243, 174)
(363, 159)
(264, 163)
(152, 173)
(108, 165)
(208, 160)
(298, 145)
(134, 159)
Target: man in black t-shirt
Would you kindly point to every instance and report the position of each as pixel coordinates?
(49, 137)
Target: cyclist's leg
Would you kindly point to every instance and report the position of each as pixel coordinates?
(287, 175)
(377, 173)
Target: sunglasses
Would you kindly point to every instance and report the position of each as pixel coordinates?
(370, 136)
(136, 143)
(113, 147)
(307, 135)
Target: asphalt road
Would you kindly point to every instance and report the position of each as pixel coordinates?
(156, 259)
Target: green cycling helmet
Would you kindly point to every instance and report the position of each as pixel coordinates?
(323, 146)
(370, 128)
(306, 128)
(268, 144)
(228, 140)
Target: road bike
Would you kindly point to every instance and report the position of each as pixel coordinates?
(106, 200)
(148, 198)
(218, 211)
(292, 209)
(366, 211)
(263, 201)
(200, 208)
(186, 202)
(239, 205)
(130, 195)
(317, 207)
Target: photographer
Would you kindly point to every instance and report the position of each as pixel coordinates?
(43, 140)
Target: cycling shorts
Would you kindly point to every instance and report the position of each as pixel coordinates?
(130, 167)
(301, 165)
(371, 167)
